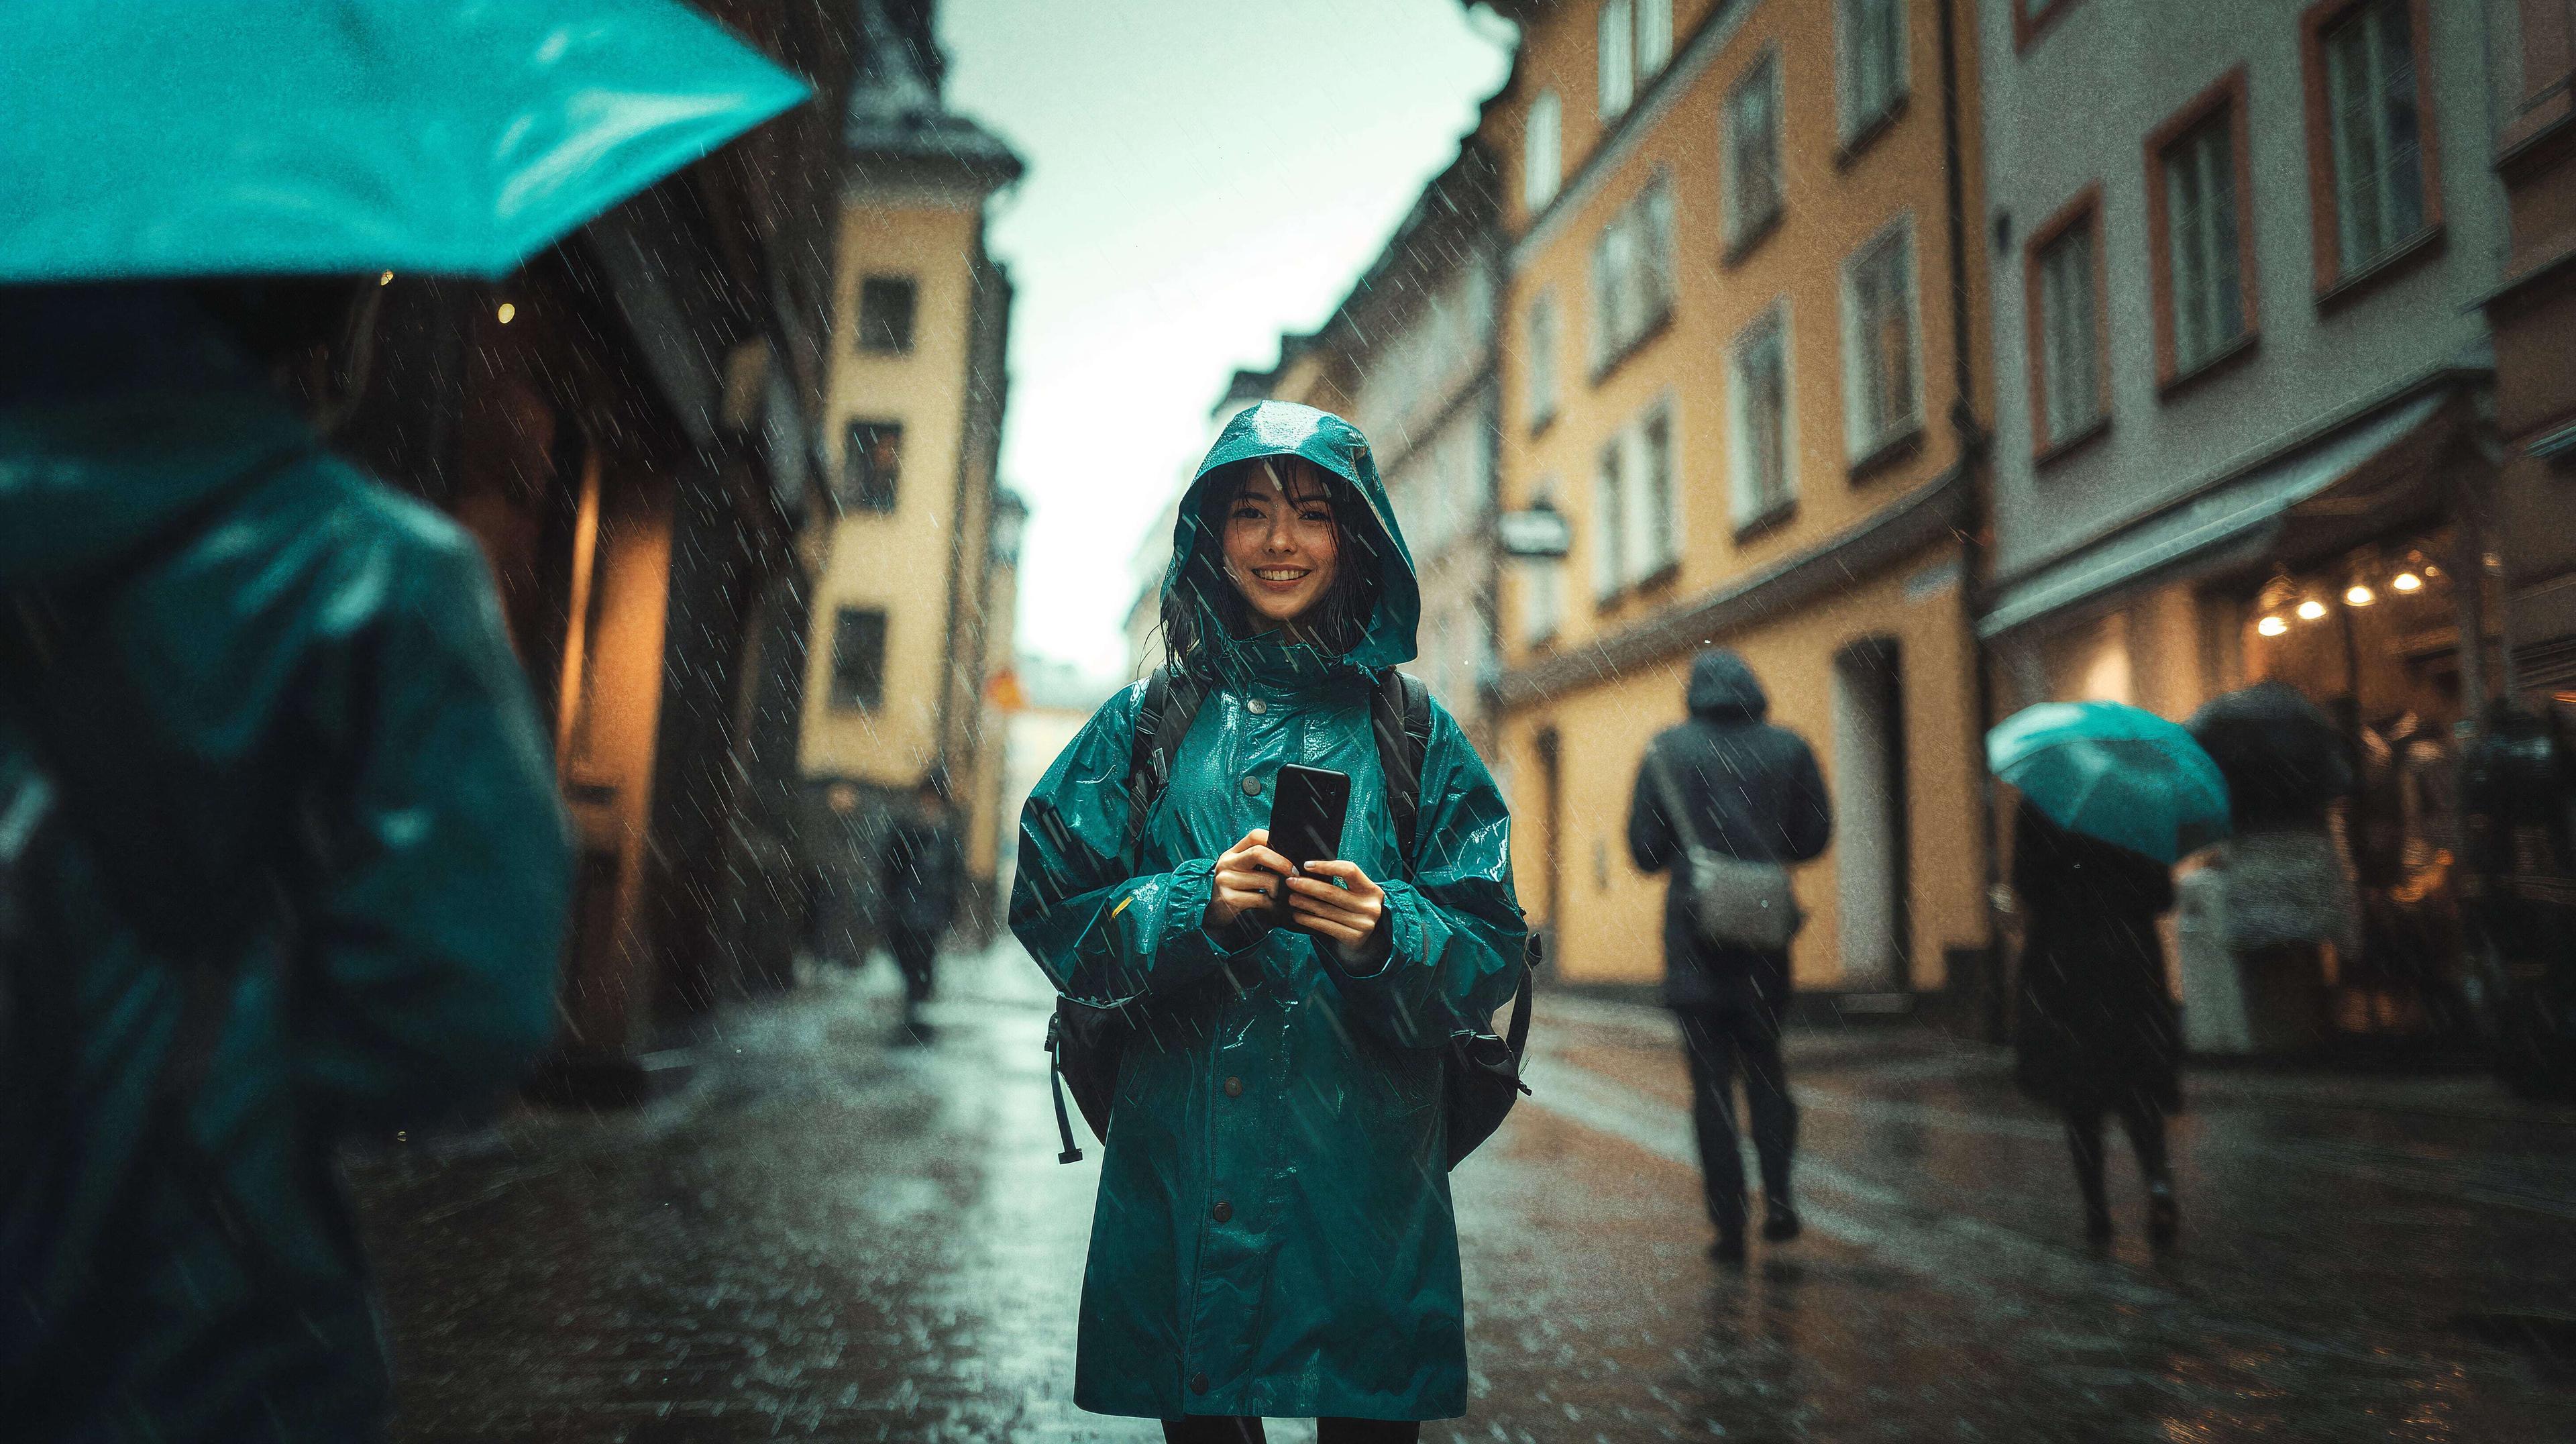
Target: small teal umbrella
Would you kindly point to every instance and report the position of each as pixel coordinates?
(2120, 774)
(144, 139)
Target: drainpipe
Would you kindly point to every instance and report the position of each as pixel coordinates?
(1972, 537)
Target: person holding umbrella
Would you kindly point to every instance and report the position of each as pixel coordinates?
(2111, 797)
(283, 858)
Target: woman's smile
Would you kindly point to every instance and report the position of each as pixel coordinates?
(1281, 544)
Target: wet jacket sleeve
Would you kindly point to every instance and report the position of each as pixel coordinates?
(1806, 812)
(1652, 843)
(1103, 931)
(443, 870)
(1455, 928)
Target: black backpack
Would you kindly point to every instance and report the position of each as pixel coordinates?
(1085, 1043)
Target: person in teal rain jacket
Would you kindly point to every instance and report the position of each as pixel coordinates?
(1274, 1234)
(304, 872)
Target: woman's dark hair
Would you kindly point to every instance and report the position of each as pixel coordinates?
(1335, 624)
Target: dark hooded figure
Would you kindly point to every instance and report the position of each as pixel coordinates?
(1274, 1234)
(1753, 792)
(2095, 1031)
(304, 874)
(921, 871)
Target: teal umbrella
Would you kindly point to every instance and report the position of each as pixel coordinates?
(145, 139)
(2120, 774)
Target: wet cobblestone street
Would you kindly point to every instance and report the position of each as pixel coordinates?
(821, 1235)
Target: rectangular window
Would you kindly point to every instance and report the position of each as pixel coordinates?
(2376, 131)
(2069, 331)
(1654, 539)
(885, 314)
(871, 465)
(1762, 483)
(1542, 152)
(1618, 58)
(1632, 274)
(1609, 521)
(1541, 359)
(1654, 37)
(2204, 280)
(1881, 401)
(1752, 151)
(858, 657)
(1871, 55)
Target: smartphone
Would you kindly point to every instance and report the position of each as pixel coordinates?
(1306, 808)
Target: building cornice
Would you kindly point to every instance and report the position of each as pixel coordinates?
(1931, 513)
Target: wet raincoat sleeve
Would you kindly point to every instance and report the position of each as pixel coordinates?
(1455, 926)
(1652, 843)
(1105, 931)
(434, 924)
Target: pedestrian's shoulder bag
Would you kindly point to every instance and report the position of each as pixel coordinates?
(1732, 902)
(1086, 1042)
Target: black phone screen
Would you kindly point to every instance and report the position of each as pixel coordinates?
(1306, 810)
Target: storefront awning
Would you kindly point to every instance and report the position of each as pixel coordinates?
(2229, 513)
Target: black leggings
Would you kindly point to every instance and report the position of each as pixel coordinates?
(1209, 1429)
(2146, 1129)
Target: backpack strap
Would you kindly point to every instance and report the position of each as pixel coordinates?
(1400, 716)
(1163, 718)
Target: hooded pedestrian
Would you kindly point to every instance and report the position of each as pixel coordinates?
(1274, 1233)
(919, 875)
(1728, 783)
(2095, 1030)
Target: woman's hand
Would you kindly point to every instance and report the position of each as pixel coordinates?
(1337, 902)
(1248, 876)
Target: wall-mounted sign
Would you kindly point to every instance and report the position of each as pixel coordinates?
(1540, 533)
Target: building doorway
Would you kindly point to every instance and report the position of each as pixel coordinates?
(1551, 803)
(1869, 786)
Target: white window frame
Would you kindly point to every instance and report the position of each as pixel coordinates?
(1859, 444)
(1615, 44)
(1653, 508)
(1609, 525)
(1654, 38)
(1750, 502)
(2360, 215)
(2206, 152)
(1543, 343)
(1632, 273)
(1542, 151)
(2071, 380)
(1859, 113)
(1762, 75)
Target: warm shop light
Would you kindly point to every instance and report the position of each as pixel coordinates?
(386, 279)
(2311, 609)
(2359, 594)
(506, 312)
(2406, 582)
(2271, 626)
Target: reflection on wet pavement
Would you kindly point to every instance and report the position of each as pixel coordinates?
(825, 1236)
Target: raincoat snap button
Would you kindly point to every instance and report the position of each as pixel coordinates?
(1252, 787)
(1256, 706)
(1198, 1383)
(1222, 1211)
(1233, 1087)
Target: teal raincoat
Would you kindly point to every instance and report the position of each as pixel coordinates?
(274, 678)
(1274, 1235)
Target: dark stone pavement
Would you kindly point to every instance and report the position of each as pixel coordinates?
(824, 1236)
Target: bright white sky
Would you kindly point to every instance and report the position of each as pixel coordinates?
(1203, 175)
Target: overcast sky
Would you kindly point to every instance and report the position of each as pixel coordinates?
(1203, 175)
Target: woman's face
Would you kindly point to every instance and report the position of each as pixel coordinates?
(1281, 547)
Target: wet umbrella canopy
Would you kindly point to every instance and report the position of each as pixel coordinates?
(162, 138)
(2118, 774)
(2282, 757)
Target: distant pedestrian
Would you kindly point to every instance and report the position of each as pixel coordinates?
(2096, 1031)
(303, 871)
(920, 872)
(1274, 1233)
(1728, 783)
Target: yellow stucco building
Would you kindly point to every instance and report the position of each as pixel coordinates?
(911, 612)
(1737, 338)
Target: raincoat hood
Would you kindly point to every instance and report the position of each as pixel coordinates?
(1369, 538)
(121, 409)
(1722, 688)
